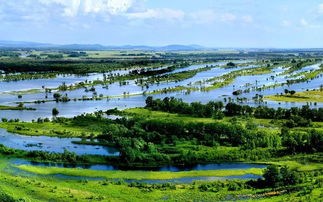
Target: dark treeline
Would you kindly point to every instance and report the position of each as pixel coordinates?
(9, 54)
(303, 141)
(174, 105)
(77, 67)
(153, 72)
(215, 109)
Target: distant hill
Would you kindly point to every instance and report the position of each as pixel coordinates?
(35, 45)
(81, 47)
(23, 44)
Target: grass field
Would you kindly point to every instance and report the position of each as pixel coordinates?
(44, 187)
(15, 108)
(48, 129)
(137, 175)
(304, 96)
(164, 115)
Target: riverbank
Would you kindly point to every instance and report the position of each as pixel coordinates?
(39, 183)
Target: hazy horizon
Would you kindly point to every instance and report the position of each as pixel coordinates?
(213, 24)
(153, 46)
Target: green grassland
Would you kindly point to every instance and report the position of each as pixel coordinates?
(146, 113)
(37, 183)
(141, 146)
(39, 186)
(304, 96)
(137, 175)
(15, 108)
(49, 129)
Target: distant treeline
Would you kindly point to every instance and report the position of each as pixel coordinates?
(78, 67)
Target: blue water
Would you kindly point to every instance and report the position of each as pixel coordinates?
(183, 180)
(74, 108)
(212, 166)
(52, 144)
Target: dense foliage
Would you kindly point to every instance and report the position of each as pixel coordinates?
(211, 109)
(70, 66)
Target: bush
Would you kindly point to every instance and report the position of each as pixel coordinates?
(276, 176)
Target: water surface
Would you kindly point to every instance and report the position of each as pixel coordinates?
(52, 144)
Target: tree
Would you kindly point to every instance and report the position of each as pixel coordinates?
(56, 96)
(231, 64)
(292, 92)
(55, 112)
(286, 91)
(218, 115)
(237, 92)
(276, 176)
(272, 176)
(149, 101)
(63, 87)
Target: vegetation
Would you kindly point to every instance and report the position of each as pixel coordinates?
(297, 65)
(138, 175)
(304, 96)
(168, 131)
(27, 76)
(71, 66)
(211, 109)
(19, 107)
(226, 79)
(43, 185)
(173, 77)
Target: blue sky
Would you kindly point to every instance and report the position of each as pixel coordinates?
(211, 23)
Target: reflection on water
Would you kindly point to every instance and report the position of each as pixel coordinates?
(73, 108)
(52, 144)
(213, 166)
(183, 180)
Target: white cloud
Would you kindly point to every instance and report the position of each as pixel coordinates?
(73, 8)
(119, 6)
(320, 8)
(164, 14)
(77, 12)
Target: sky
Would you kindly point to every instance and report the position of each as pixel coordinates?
(210, 23)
